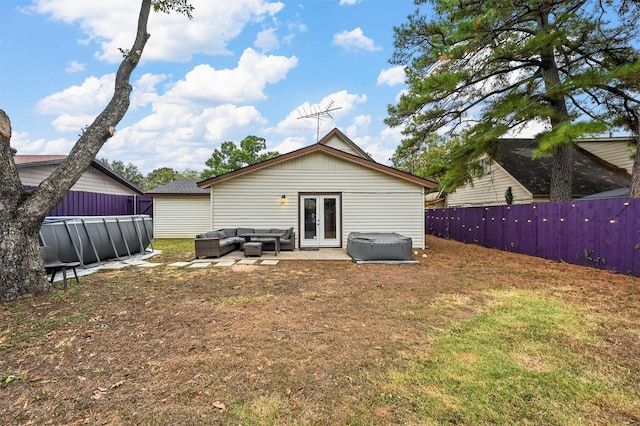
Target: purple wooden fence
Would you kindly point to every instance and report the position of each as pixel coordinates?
(599, 233)
(79, 203)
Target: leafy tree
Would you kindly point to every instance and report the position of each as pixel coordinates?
(129, 171)
(428, 159)
(478, 69)
(231, 157)
(161, 176)
(22, 211)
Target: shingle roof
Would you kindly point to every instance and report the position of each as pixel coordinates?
(179, 187)
(591, 174)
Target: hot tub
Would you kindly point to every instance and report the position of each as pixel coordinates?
(379, 247)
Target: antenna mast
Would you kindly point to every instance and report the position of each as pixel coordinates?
(317, 113)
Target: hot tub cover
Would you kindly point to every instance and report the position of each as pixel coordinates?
(379, 247)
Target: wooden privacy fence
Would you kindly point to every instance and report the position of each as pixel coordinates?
(600, 233)
(78, 203)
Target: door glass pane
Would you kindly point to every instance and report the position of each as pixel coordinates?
(309, 218)
(329, 218)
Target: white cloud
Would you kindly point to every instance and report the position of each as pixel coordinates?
(354, 40)
(359, 125)
(245, 83)
(112, 25)
(349, 2)
(383, 146)
(391, 76)
(144, 90)
(74, 66)
(25, 146)
(343, 102)
(290, 144)
(267, 40)
(72, 122)
(91, 96)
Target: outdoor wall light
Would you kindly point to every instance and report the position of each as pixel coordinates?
(283, 200)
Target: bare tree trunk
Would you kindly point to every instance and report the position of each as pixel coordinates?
(21, 269)
(634, 189)
(562, 168)
(22, 212)
(562, 173)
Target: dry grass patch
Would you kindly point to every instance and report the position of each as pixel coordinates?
(468, 336)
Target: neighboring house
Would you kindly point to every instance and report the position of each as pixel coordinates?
(513, 166)
(325, 191)
(99, 191)
(434, 200)
(180, 209)
(618, 151)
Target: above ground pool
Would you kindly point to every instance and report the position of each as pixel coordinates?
(92, 239)
(379, 247)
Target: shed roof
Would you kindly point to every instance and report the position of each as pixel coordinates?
(591, 173)
(179, 187)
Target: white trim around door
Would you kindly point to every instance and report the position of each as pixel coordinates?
(320, 220)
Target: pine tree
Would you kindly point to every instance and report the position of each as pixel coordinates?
(477, 70)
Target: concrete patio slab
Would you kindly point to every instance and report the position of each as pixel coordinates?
(179, 264)
(199, 265)
(113, 266)
(148, 265)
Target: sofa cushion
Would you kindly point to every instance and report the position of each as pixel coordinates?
(287, 234)
(244, 231)
(221, 234)
(237, 240)
(264, 239)
(211, 234)
(230, 232)
(263, 231)
(227, 242)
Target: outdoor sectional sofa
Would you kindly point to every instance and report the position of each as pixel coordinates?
(223, 241)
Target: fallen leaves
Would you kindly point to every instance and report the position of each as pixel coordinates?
(101, 391)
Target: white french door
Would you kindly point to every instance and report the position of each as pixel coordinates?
(320, 220)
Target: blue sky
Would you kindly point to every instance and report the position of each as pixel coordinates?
(239, 68)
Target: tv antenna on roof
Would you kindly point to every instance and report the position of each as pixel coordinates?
(317, 113)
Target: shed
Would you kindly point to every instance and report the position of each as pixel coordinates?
(180, 209)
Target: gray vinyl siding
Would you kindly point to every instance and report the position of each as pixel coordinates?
(371, 200)
(180, 216)
(92, 180)
(489, 190)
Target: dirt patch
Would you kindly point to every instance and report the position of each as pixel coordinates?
(299, 342)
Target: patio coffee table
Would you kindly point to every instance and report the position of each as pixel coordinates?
(276, 237)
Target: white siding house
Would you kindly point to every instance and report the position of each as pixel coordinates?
(489, 189)
(325, 191)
